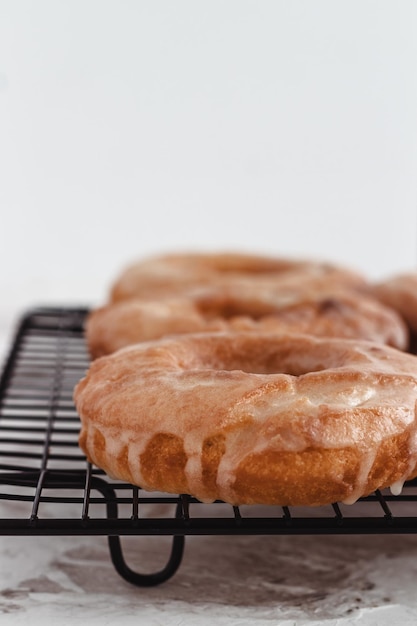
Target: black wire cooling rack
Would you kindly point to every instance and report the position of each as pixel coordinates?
(48, 488)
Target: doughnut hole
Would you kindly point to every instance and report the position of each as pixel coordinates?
(290, 357)
(227, 307)
(289, 304)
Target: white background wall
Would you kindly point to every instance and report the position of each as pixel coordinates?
(131, 127)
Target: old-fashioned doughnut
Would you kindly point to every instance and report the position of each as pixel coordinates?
(400, 293)
(253, 418)
(173, 273)
(335, 315)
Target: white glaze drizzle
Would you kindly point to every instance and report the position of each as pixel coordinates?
(397, 487)
(367, 462)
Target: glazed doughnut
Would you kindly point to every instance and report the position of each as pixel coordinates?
(173, 274)
(343, 315)
(253, 418)
(400, 293)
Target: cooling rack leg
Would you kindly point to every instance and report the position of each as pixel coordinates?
(146, 580)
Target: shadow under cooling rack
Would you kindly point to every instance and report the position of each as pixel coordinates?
(48, 488)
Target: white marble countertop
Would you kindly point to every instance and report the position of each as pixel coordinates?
(223, 580)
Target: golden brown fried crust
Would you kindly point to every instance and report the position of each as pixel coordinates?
(338, 315)
(253, 418)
